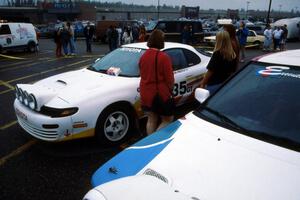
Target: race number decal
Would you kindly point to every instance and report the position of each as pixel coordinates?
(181, 88)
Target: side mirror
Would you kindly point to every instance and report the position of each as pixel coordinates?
(201, 94)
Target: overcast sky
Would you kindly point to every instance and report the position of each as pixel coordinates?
(223, 4)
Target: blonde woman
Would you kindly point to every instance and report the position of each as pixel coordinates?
(221, 65)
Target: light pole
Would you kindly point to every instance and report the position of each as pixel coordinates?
(157, 9)
(268, 16)
(248, 2)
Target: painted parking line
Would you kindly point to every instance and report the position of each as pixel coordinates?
(44, 72)
(18, 151)
(27, 65)
(6, 126)
(7, 85)
(12, 57)
(47, 71)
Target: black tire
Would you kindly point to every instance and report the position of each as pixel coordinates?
(258, 43)
(31, 47)
(115, 124)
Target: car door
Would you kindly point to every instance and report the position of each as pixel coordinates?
(6, 37)
(187, 73)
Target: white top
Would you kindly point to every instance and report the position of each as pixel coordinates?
(277, 33)
(268, 34)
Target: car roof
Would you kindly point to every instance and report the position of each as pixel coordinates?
(168, 45)
(291, 57)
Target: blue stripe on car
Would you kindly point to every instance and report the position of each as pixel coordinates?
(130, 161)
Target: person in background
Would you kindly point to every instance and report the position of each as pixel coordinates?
(127, 36)
(142, 33)
(284, 37)
(108, 35)
(185, 35)
(119, 29)
(72, 40)
(57, 40)
(88, 32)
(234, 42)
(242, 37)
(65, 38)
(221, 65)
(277, 33)
(135, 33)
(268, 33)
(114, 35)
(157, 78)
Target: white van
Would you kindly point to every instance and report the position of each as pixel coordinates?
(17, 36)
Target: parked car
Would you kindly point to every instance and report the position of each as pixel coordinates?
(173, 29)
(241, 143)
(14, 36)
(259, 29)
(252, 39)
(102, 100)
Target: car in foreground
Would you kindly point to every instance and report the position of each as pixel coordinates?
(242, 142)
(102, 100)
(252, 39)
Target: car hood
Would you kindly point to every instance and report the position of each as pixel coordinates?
(70, 86)
(206, 161)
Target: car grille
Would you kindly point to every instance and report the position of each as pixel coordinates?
(43, 134)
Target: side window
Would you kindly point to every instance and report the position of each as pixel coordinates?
(4, 30)
(178, 58)
(171, 27)
(161, 26)
(191, 58)
(251, 33)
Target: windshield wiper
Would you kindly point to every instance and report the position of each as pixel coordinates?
(223, 118)
(91, 68)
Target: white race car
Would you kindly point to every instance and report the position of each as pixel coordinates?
(243, 142)
(103, 99)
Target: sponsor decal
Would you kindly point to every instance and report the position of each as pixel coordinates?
(277, 71)
(133, 50)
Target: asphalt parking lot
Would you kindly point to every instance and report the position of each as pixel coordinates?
(31, 169)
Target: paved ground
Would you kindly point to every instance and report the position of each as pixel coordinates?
(31, 169)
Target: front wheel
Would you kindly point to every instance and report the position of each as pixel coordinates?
(115, 125)
(31, 47)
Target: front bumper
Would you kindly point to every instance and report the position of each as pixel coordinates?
(41, 126)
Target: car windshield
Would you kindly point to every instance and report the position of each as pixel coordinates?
(123, 60)
(261, 101)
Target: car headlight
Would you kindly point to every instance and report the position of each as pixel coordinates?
(25, 98)
(32, 102)
(21, 95)
(58, 112)
(17, 92)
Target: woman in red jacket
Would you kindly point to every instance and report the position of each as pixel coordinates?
(157, 78)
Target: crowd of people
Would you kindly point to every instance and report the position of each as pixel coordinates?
(116, 36)
(65, 41)
(277, 36)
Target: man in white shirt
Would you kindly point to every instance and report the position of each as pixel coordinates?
(277, 34)
(268, 33)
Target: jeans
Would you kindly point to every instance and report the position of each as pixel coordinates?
(213, 88)
(72, 45)
(88, 45)
(65, 47)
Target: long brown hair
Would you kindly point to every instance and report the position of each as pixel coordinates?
(223, 44)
